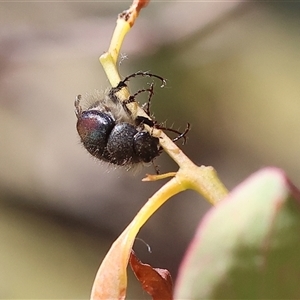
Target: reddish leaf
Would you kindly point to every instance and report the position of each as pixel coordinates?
(111, 278)
(156, 282)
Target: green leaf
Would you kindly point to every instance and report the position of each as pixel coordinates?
(248, 246)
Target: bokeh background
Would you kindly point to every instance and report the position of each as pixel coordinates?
(233, 72)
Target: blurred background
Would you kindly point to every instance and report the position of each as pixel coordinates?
(233, 72)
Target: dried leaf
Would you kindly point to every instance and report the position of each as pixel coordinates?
(156, 282)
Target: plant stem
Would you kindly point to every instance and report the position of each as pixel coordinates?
(202, 179)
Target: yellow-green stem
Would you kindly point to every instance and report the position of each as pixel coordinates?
(170, 189)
